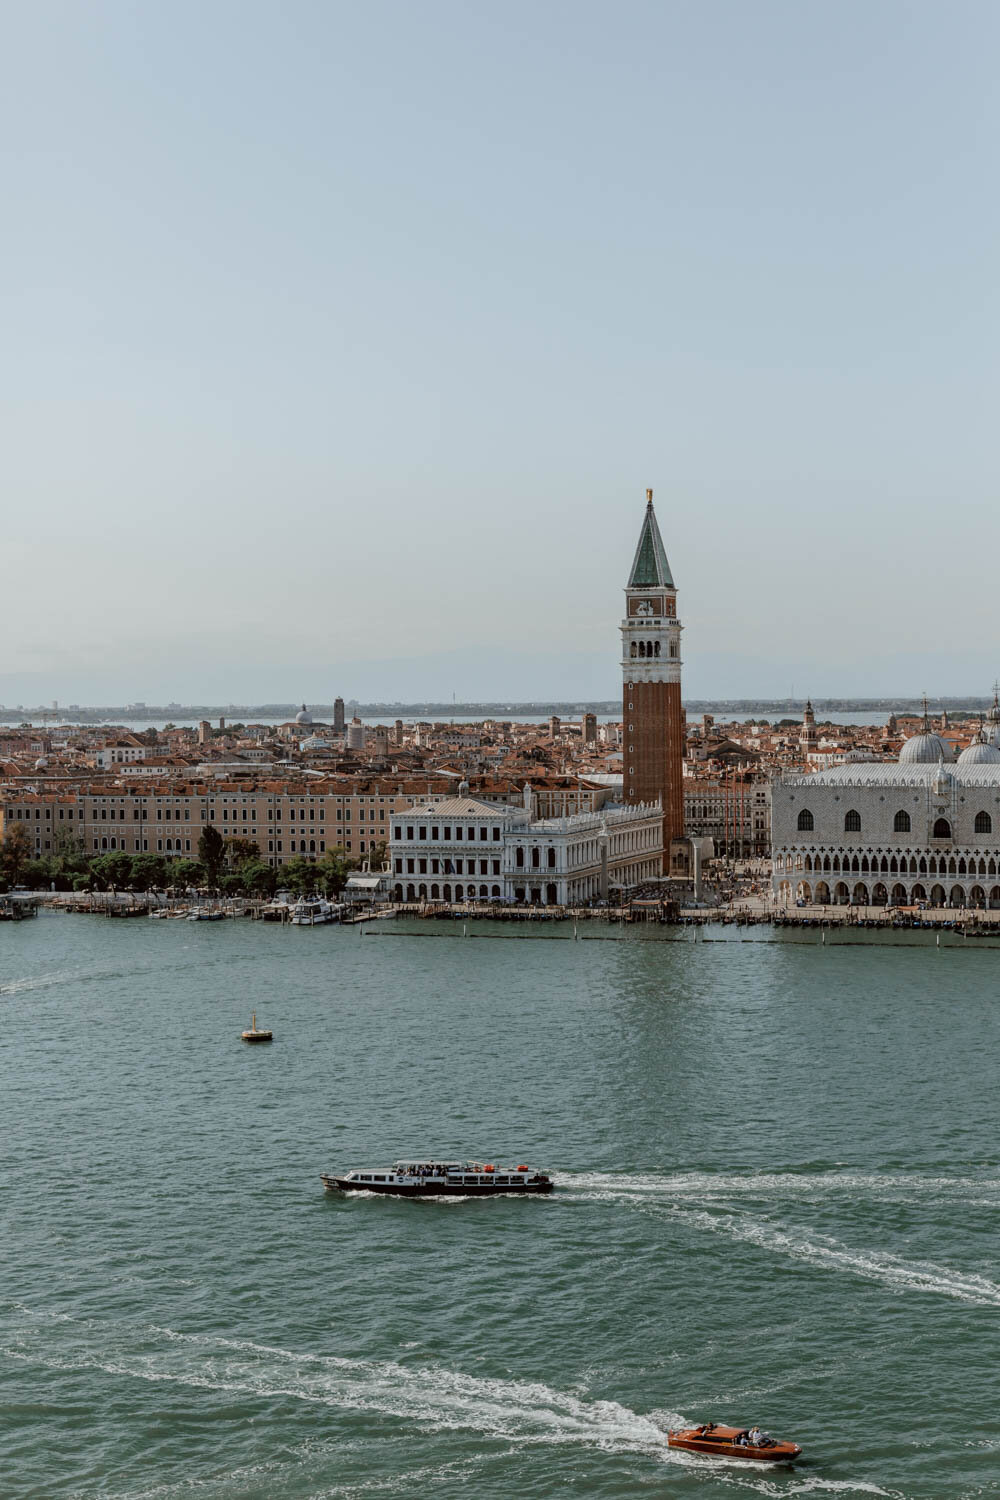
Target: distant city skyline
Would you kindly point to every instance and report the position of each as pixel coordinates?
(342, 342)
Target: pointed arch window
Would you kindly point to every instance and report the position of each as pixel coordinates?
(942, 829)
(806, 821)
(901, 822)
(984, 823)
(852, 821)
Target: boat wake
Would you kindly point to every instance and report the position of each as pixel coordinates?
(885, 1186)
(709, 1208)
(518, 1412)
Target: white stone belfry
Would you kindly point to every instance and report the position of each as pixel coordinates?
(651, 632)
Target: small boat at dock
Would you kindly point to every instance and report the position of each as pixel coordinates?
(733, 1442)
(313, 912)
(253, 1035)
(425, 1177)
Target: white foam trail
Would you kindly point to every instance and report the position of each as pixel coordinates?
(36, 982)
(522, 1413)
(873, 1265)
(660, 1194)
(640, 1186)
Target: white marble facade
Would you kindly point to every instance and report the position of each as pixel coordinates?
(882, 833)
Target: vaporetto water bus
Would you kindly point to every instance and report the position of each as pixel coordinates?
(425, 1177)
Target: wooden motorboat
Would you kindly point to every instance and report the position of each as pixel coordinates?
(253, 1035)
(732, 1442)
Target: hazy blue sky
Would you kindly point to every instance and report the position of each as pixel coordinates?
(340, 341)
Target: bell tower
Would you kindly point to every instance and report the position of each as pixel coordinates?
(652, 717)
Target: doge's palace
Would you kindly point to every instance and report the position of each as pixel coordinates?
(879, 833)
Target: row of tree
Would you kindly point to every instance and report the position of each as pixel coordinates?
(232, 866)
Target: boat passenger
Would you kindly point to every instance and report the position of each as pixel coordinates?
(756, 1437)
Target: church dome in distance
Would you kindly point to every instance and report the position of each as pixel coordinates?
(304, 716)
(924, 749)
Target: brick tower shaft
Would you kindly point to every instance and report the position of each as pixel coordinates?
(652, 715)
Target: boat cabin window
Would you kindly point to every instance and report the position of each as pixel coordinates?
(377, 1178)
(501, 1179)
(364, 1177)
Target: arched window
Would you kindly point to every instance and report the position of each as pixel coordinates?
(901, 822)
(852, 822)
(656, 648)
(984, 823)
(519, 857)
(535, 858)
(552, 859)
(633, 649)
(642, 648)
(806, 821)
(942, 829)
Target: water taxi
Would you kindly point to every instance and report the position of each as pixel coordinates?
(733, 1442)
(427, 1177)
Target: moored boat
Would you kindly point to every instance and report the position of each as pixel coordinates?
(427, 1177)
(314, 912)
(255, 1035)
(733, 1442)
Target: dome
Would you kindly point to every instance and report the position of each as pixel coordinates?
(981, 752)
(924, 749)
(304, 717)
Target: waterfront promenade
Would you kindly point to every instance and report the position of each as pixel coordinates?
(744, 910)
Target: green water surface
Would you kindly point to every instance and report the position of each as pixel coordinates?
(778, 1172)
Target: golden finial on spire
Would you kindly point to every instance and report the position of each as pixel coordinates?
(649, 497)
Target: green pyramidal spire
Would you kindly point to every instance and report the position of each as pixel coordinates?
(650, 568)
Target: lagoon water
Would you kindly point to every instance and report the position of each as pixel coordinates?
(779, 1185)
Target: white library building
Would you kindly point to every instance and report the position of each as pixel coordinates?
(923, 829)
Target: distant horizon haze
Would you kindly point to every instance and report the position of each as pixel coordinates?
(342, 343)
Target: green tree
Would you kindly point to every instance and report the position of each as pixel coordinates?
(331, 872)
(258, 879)
(112, 870)
(182, 873)
(239, 850)
(68, 858)
(15, 851)
(298, 875)
(148, 872)
(211, 852)
(37, 873)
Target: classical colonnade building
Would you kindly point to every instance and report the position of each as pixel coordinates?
(875, 834)
(462, 849)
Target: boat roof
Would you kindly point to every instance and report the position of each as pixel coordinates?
(428, 1156)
